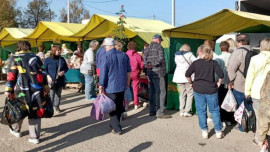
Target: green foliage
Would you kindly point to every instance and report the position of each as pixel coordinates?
(77, 12)
(36, 11)
(8, 13)
(119, 30)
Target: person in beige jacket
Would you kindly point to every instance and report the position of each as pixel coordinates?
(235, 69)
(257, 71)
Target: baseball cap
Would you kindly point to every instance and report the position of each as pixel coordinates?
(108, 41)
(157, 36)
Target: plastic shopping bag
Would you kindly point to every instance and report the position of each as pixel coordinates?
(229, 103)
(238, 114)
(96, 110)
(107, 105)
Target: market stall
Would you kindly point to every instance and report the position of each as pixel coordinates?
(212, 27)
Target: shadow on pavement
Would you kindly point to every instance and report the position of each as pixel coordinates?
(86, 129)
(141, 147)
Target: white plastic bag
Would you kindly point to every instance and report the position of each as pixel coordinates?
(229, 103)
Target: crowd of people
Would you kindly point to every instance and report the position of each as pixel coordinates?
(207, 78)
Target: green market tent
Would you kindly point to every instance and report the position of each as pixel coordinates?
(223, 22)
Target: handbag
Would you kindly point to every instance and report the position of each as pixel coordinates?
(106, 104)
(13, 111)
(229, 103)
(52, 85)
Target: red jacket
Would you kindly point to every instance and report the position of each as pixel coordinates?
(136, 62)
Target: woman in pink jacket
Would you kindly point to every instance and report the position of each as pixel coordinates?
(136, 63)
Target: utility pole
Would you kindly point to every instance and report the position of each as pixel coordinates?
(50, 12)
(173, 12)
(67, 11)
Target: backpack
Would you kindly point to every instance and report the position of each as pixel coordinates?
(248, 121)
(249, 55)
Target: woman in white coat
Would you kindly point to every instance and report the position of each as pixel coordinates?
(183, 59)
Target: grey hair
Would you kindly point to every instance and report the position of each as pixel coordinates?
(93, 43)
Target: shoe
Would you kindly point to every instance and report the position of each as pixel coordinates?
(164, 116)
(34, 141)
(152, 114)
(16, 134)
(223, 124)
(209, 120)
(219, 135)
(119, 133)
(236, 128)
(255, 142)
(145, 104)
(137, 107)
(57, 110)
(205, 134)
(187, 114)
(182, 114)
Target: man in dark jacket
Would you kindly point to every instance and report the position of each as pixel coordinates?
(156, 69)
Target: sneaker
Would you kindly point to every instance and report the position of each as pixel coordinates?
(205, 134)
(164, 116)
(137, 107)
(123, 116)
(219, 135)
(16, 134)
(145, 104)
(34, 141)
(223, 124)
(187, 114)
(152, 114)
(182, 114)
(236, 128)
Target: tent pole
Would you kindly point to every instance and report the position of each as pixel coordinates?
(173, 12)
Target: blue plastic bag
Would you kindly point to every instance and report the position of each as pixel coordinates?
(106, 104)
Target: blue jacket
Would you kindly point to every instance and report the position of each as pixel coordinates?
(100, 52)
(113, 71)
(51, 67)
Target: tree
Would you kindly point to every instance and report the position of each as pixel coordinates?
(36, 11)
(77, 12)
(119, 30)
(8, 13)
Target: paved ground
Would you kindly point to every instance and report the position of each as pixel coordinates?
(74, 130)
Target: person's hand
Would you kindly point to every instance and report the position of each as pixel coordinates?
(47, 90)
(218, 84)
(49, 79)
(61, 73)
(149, 66)
(248, 96)
(191, 85)
(230, 86)
(7, 94)
(101, 90)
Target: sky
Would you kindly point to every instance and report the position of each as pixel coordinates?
(186, 11)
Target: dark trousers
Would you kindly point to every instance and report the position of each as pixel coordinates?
(224, 115)
(115, 116)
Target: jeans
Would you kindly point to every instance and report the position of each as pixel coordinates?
(55, 95)
(239, 97)
(201, 102)
(115, 116)
(89, 87)
(157, 93)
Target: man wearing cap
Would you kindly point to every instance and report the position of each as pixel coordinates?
(156, 69)
(114, 79)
